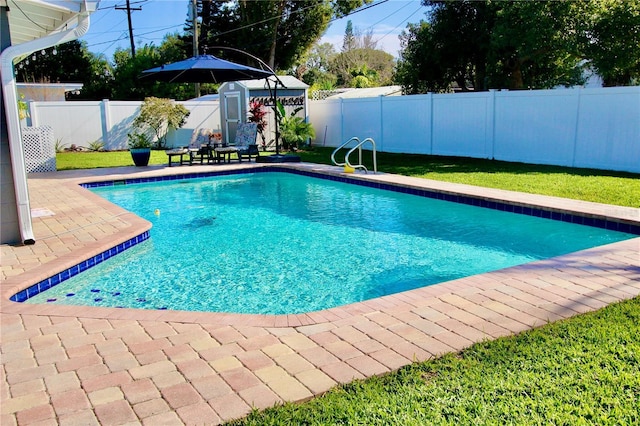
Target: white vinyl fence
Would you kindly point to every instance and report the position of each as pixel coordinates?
(83, 122)
(595, 128)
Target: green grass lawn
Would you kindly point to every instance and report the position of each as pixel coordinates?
(599, 186)
(581, 371)
(581, 184)
(96, 160)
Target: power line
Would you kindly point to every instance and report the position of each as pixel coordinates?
(111, 42)
(402, 22)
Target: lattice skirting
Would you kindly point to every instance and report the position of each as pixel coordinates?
(39, 149)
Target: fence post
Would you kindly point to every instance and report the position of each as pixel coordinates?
(431, 112)
(32, 117)
(576, 127)
(381, 141)
(341, 122)
(105, 122)
(491, 123)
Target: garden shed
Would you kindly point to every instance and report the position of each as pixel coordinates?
(236, 96)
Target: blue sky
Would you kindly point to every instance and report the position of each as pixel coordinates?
(109, 27)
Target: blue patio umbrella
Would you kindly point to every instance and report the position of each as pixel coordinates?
(203, 69)
(210, 69)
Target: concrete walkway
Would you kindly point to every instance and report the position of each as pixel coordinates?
(79, 365)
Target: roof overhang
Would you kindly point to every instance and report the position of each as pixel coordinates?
(33, 19)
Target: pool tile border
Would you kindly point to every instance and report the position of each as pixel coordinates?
(68, 273)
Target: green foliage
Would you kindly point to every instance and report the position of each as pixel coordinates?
(419, 69)
(520, 45)
(59, 146)
(613, 41)
(158, 115)
(314, 67)
(375, 65)
(127, 84)
(23, 108)
(99, 84)
(543, 56)
(96, 146)
(363, 76)
(349, 40)
(294, 130)
(580, 371)
(139, 140)
(71, 63)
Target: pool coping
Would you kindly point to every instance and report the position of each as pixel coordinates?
(90, 365)
(78, 180)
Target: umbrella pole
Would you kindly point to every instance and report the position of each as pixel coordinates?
(275, 110)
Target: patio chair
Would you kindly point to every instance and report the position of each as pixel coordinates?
(245, 141)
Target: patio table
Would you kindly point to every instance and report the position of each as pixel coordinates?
(224, 154)
(181, 152)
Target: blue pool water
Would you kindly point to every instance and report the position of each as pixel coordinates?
(280, 243)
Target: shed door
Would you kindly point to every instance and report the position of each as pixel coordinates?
(232, 116)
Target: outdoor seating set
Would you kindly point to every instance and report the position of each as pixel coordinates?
(207, 146)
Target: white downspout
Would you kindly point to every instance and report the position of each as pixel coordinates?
(13, 120)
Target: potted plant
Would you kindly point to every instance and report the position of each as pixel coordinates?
(140, 148)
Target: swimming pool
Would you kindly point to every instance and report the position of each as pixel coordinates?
(283, 243)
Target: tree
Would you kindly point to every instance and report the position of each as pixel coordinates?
(277, 31)
(126, 72)
(349, 41)
(419, 68)
(314, 67)
(376, 65)
(543, 55)
(516, 45)
(360, 64)
(612, 41)
(66, 63)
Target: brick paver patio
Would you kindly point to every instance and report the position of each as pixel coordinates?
(74, 365)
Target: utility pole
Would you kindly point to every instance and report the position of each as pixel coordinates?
(194, 16)
(129, 9)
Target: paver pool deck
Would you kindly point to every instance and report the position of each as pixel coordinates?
(75, 365)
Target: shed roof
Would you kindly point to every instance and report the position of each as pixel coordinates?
(369, 92)
(289, 81)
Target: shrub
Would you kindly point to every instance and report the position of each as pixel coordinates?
(158, 115)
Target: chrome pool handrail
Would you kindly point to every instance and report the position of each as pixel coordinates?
(333, 155)
(359, 148)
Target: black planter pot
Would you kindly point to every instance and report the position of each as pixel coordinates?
(140, 156)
